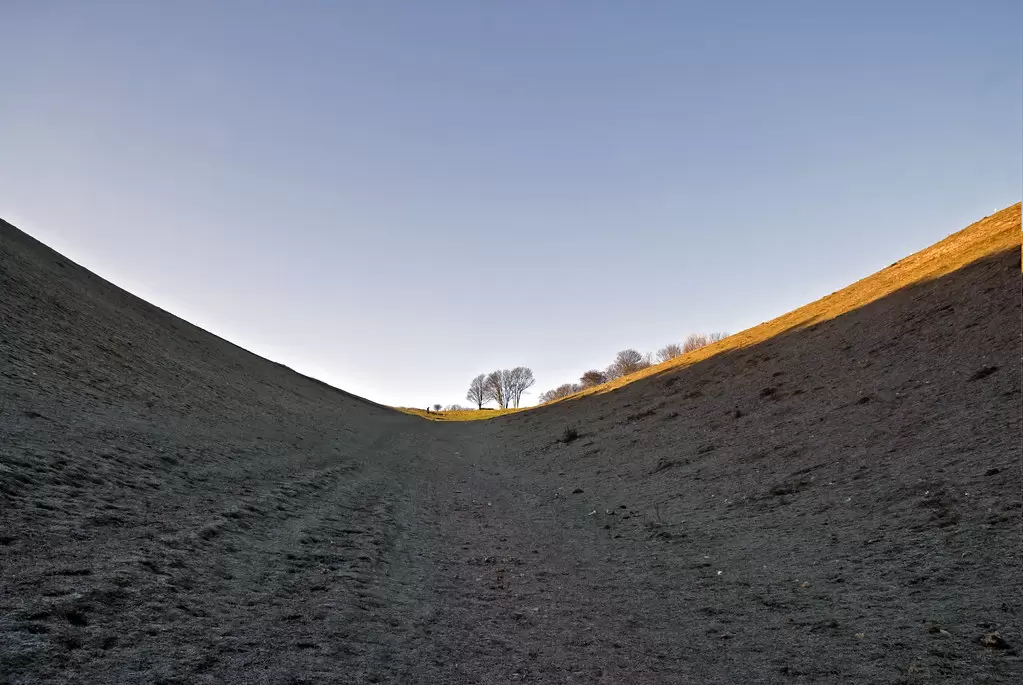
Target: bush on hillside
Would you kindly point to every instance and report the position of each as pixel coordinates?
(559, 392)
(626, 362)
(669, 351)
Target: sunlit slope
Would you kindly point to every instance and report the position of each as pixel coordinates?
(990, 235)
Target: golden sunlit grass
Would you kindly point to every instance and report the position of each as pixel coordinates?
(996, 233)
(463, 415)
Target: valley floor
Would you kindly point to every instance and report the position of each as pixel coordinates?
(436, 554)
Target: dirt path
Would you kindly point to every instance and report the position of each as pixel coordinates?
(412, 562)
(431, 559)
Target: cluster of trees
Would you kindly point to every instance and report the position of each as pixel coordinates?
(505, 386)
(438, 408)
(630, 361)
(559, 392)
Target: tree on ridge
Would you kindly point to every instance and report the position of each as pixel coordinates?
(479, 393)
(669, 351)
(517, 381)
(626, 362)
(497, 388)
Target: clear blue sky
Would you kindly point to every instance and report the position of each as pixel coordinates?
(395, 197)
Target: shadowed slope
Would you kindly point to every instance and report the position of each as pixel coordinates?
(839, 502)
(73, 327)
(162, 493)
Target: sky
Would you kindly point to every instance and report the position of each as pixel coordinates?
(396, 196)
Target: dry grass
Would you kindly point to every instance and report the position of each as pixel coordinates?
(463, 415)
(1000, 231)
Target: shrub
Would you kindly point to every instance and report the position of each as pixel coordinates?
(626, 362)
(669, 351)
(559, 392)
(694, 341)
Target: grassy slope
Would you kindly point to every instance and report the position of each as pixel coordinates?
(992, 234)
(464, 415)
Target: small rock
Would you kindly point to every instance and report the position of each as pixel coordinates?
(577, 491)
(994, 640)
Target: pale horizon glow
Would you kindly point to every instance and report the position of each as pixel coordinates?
(353, 190)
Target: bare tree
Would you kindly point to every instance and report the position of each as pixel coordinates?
(694, 341)
(625, 363)
(591, 378)
(504, 386)
(559, 392)
(478, 391)
(714, 337)
(437, 407)
(517, 381)
(454, 407)
(669, 351)
(497, 387)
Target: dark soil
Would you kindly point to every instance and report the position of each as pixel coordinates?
(840, 504)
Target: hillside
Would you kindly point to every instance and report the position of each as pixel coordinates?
(991, 234)
(833, 496)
